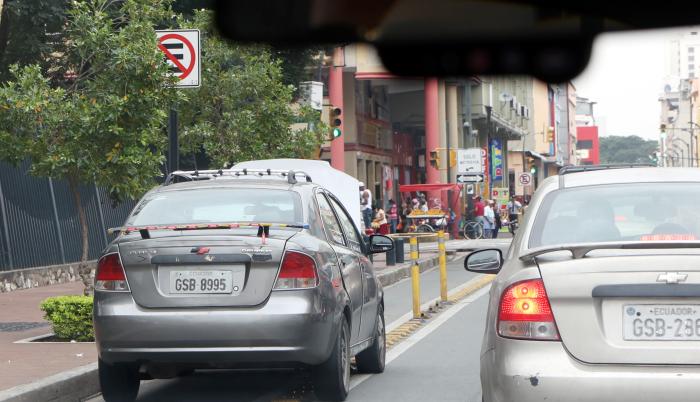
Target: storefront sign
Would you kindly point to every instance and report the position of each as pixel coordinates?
(500, 195)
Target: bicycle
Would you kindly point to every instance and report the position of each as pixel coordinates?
(425, 228)
(472, 230)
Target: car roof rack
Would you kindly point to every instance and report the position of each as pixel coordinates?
(195, 175)
(588, 168)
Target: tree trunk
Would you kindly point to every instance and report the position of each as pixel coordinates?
(84, 270)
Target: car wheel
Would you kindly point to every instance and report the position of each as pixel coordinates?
(332, 378)
(373, 359)
(118, 382)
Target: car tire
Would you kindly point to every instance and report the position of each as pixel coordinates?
(332, 378)
(118, 382)
(373, 359)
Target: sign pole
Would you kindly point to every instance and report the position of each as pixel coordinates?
(173, 146)
(182, 51)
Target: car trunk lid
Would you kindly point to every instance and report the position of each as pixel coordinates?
(235, 269)
(602, 304)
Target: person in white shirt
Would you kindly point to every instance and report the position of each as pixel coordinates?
(513, 207)
(489, 220)
(366, 205)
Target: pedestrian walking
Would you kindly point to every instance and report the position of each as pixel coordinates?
(393, 216)
(403, 220)
(489, 220)
(479, 210)
(496, 219)
(366, 205)
(513, 208)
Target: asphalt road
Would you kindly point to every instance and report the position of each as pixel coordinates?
(439, 362)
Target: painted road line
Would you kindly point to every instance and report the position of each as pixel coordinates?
(422, 333)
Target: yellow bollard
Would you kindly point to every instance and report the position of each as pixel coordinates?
(415, 277)
(442, 259)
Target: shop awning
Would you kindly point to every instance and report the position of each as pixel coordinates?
(408, 188)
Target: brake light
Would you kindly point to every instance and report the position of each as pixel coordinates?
(525, 312)
(298, 271)
(110, 274)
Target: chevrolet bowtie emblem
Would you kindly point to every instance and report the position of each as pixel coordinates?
(672, 277)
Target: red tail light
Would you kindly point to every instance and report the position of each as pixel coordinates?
(298, 271)
(110, 274)
(525, 312)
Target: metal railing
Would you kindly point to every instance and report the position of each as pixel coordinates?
(39, 223)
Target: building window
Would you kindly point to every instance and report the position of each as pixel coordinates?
(691, 50)
(691, 74)
(584, 144)
(691, 58)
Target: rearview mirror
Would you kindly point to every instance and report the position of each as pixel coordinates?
(550, 40)
(484, 261)
(380, 244)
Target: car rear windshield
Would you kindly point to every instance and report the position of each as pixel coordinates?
(220, 205)
(620, 212)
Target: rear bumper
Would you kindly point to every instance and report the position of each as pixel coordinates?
(540, 370)
(292, 328)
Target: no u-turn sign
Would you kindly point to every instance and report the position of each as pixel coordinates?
(181, 49)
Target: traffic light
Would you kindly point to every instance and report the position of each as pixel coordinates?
(435, 159)
(453, 158)
(550, 134)
(336, 122)
(533, 170)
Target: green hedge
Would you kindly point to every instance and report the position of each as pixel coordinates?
(71, 317)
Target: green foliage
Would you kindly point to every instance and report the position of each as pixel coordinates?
(630, 149)
(29, 29)
(104, 121)
(298, 64)
(243, 109)
(70, 316)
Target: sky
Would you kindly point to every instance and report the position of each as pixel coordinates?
(625, 77)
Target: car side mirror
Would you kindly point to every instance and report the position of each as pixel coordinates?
(380, 244)
(487, 261)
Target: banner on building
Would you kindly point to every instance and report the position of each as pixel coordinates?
(485, 169)
(496, 160)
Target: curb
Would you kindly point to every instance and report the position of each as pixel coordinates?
(68, 386)
(390, 276)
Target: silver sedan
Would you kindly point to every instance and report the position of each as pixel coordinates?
(598, 297)
(234, 271)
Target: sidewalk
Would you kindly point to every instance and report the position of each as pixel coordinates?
(20, 318)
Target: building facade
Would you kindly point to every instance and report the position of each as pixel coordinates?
(393, 126)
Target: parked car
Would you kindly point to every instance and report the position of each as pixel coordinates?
(598, 297)
(234, 269)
